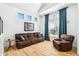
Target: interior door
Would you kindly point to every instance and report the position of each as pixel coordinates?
(1, 38)
(1, 26)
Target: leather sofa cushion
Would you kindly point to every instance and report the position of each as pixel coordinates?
(62, 41)
(24, 42)
(57, 42)
(35, 41)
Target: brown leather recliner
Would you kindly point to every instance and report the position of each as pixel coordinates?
(64, 43)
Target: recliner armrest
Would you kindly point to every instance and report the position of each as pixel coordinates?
(58, 39)
(64, 42)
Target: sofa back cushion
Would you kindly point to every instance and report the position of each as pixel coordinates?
(36, 35)
(28, 36)
(67, 37)
(21, 37)
(64, 36)
(40, 35)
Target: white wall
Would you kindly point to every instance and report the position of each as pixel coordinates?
(41, 24)
(1, 46)
(77, 29)
(71, 22)
(11, 24)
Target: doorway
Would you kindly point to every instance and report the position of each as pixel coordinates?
(1, 26)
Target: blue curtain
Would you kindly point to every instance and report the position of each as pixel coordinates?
(62, 21)
(46, 27)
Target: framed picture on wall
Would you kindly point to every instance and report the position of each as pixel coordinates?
(28, 26)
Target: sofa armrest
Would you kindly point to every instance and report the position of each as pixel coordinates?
(58, 39)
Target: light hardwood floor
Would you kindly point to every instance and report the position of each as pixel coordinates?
(40, 49)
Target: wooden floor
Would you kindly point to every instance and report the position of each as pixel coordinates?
(40, 49)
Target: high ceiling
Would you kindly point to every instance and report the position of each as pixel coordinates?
(46, 6)
(33, 7)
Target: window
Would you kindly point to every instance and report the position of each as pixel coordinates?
(1, 26)
(23, 16)
(54, 23)
(27, 17)
(36, 19)
(20, 16)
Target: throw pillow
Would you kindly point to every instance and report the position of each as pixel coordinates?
(40, 35)
(22, 38)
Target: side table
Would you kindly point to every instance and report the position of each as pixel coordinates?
(10, 46)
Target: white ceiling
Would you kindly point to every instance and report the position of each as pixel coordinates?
(39, 8)
(32, 7)
(53, 8)
(46, 6)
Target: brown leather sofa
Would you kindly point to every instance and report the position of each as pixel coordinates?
(27, 39)
(64, 43)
